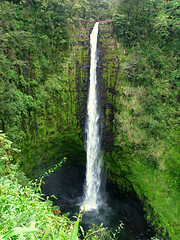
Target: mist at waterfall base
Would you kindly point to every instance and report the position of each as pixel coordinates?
(67, 184)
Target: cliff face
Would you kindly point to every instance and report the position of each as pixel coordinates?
(141, 132)
(140, 129)
(61, 116)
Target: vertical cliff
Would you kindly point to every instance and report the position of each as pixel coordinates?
(141, 131)
(61, 116)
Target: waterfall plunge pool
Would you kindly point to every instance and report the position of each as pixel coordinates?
(67, 183)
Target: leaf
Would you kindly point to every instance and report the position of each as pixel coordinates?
(74, 233)
(63, 236)
(82, 231)
(46, 232)
(1, 237)
(33, 237)
(18, 231)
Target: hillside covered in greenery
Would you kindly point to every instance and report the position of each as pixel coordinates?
(44, 70)
(146, 141)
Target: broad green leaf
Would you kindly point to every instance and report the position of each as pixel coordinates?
(74, 233)
(19, 230)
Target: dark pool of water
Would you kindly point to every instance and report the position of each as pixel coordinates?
(66, 184)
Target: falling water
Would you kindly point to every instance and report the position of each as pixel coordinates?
(94, 160)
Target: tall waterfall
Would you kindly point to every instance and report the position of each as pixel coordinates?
(94, 160)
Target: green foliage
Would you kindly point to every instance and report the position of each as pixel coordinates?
(98, 232)
(74, 233)
(137, 21)
(22, 207)
(22, 211)
(133, 20)
(35, 159)
(38, 73)
(89, 9)
(39, 92)
(30, 35)
(166, 25)
(19, 231)
(25, 214)
(147, 135)
(41, 73)
(6, 152)
(145, 156)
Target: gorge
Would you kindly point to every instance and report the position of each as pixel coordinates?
(100, 207)
(45, 72)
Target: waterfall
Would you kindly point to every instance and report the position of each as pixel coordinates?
(94, 160)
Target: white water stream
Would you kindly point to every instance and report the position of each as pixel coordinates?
(94, 160)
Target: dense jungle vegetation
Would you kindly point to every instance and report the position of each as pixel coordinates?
(43, 103)
(146, 145)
